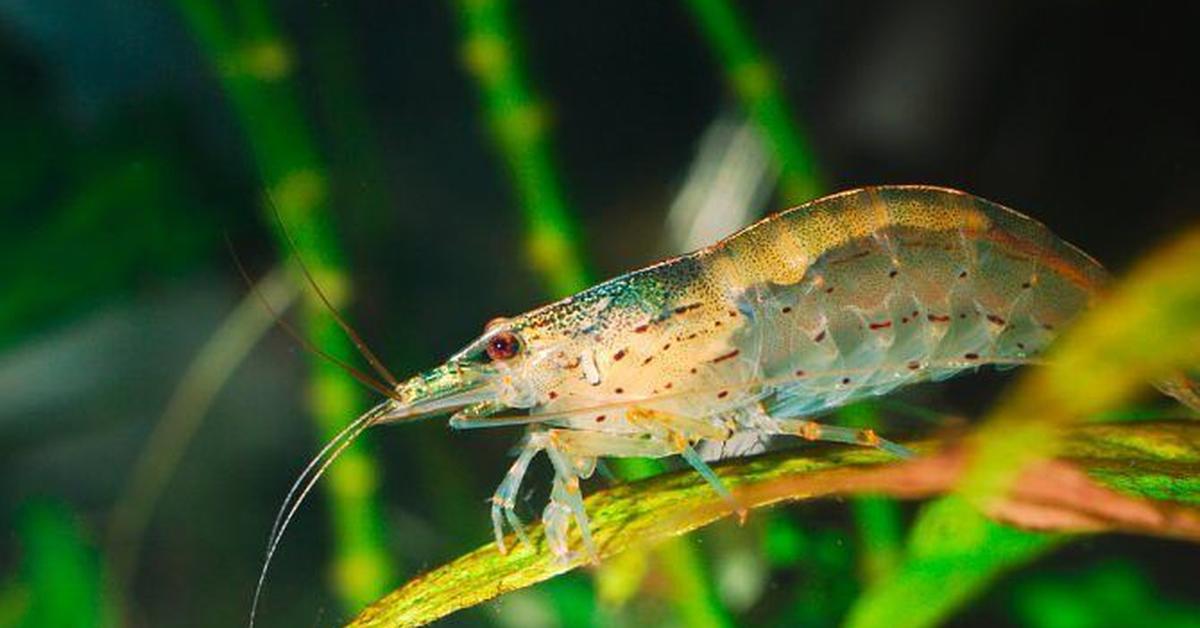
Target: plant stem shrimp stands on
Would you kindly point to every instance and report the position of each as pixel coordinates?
(846, 297)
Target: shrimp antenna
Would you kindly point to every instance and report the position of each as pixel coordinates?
(359, 344)
(363, 378)
(304, 484)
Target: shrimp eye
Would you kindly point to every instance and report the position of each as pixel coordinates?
(503, 346)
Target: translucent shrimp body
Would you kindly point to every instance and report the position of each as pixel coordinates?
(843, 298)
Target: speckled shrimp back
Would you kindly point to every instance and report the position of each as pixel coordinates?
(843, 298)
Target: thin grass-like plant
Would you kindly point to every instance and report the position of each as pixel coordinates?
(254, 64)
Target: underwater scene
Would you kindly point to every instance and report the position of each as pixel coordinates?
(545, 314)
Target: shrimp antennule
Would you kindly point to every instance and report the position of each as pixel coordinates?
(359, 344)
(362, 378)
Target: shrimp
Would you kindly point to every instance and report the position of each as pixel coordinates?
(847, 297)
(843, 298)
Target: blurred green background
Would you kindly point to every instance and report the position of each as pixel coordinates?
(441, 163)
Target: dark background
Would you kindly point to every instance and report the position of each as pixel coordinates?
(122, 168)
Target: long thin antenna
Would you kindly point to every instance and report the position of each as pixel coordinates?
(304, 483)
(363, 378)
(365, 351)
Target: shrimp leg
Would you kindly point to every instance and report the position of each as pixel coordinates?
(566, 501)
(504, 499)
(679, 432)
(813, 431)
(573, 455)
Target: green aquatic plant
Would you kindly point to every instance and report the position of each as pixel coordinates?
(254, 64)
(517, 120)
(60, 579)
(209, 371)
(753, 79)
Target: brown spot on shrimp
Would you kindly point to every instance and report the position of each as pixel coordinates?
(726, 356)
(618, 355)
(882, 325)
(850, 258)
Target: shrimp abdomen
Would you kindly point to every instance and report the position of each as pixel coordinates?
(862, 292)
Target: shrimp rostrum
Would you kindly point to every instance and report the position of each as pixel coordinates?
(844, 298)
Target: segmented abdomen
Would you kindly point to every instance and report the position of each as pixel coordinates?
(876, 288)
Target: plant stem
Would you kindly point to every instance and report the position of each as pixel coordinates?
(254, 63)
(517, 120)
(205, 377)
(752, 79)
